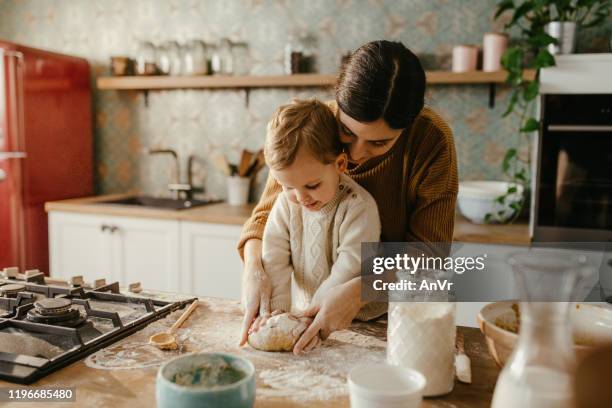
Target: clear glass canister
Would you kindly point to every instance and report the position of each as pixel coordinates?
(146, 59)
(538, 373)
(175, 56)
(195, 58)
(421, 336)
(240, 56)
(226, 56)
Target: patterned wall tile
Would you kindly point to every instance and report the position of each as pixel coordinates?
(204, 122)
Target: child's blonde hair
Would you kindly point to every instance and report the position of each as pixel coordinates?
(302, 123)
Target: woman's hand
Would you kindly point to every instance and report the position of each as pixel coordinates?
(256, 288)
(335, 311)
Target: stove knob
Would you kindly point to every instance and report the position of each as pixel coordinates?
(11, 273)
(98, 283)
(77, 281)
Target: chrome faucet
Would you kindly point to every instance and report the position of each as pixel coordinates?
(179, 190)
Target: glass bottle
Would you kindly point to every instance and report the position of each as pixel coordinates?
(146, 59)
(538, 373)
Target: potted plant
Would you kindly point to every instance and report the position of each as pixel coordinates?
(567, 15)
(532, 51)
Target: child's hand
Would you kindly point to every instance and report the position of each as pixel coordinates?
(256, 288)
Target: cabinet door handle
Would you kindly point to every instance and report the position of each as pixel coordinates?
(113, 229)
(104, 228)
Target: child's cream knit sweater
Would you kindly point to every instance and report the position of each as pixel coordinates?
(307, 252)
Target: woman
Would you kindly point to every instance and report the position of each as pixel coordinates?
(400, 151)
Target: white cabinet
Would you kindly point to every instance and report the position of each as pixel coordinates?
(168, 255)
(120, 249)
(78, 247)
(210, 261)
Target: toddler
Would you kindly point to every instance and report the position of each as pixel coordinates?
(312, 238)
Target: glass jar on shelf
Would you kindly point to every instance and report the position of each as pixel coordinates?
(215, 59)
(146, 59)
(293, 56)
(195, 58)
(175, 57)
(163, 60)
(227, 59)
(240, 57)
(309, 46)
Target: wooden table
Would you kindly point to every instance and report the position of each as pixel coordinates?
(123, 375)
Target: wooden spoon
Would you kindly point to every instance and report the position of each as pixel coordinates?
(167, 340)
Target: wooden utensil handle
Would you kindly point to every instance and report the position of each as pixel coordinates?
(184, 317)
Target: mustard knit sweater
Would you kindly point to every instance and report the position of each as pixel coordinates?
(414, 185)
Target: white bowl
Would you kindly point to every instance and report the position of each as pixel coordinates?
(385, 385)
(476, 199)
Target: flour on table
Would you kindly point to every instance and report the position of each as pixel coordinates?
(319, 375)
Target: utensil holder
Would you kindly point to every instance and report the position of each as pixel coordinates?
(238, 190)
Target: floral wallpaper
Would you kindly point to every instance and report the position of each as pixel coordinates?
(206, 122)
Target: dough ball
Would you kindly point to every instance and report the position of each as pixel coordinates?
(279, 333)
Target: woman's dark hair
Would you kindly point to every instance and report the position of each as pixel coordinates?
(382, 79)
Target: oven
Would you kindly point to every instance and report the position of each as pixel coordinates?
(573, 178)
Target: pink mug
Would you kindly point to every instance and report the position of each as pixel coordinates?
(465, 58)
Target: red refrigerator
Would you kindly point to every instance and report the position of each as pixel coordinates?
(46, 150)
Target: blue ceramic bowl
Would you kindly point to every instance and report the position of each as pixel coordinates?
(240, 394)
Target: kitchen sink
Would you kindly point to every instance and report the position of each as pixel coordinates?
(157, 202)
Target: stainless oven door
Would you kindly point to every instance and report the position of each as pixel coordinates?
(574, 184)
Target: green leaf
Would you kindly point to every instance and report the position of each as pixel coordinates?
(501, 199)
(544, 59)
(521, 11)
(541, 40)
(501, 213)
(513, 101)
(520, 176)
(512, 59)
(531, 90)
(516, 206)
(531, 125)
(487, 217)
(503, 7)
(512, 190)
(510, 154)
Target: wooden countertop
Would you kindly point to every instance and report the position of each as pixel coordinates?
(223, 213)
(123, 375)
(511, 234)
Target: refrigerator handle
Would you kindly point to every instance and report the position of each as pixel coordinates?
(12, 155)
(2, 175)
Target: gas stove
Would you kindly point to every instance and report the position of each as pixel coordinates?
(46, 325)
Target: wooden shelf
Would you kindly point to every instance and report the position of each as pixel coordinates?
(209, 81)
(280, 81)
(248, 82)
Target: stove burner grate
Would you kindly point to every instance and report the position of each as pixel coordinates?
(11, 290)
(55, 311)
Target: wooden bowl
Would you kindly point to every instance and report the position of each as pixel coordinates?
(592, 326)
